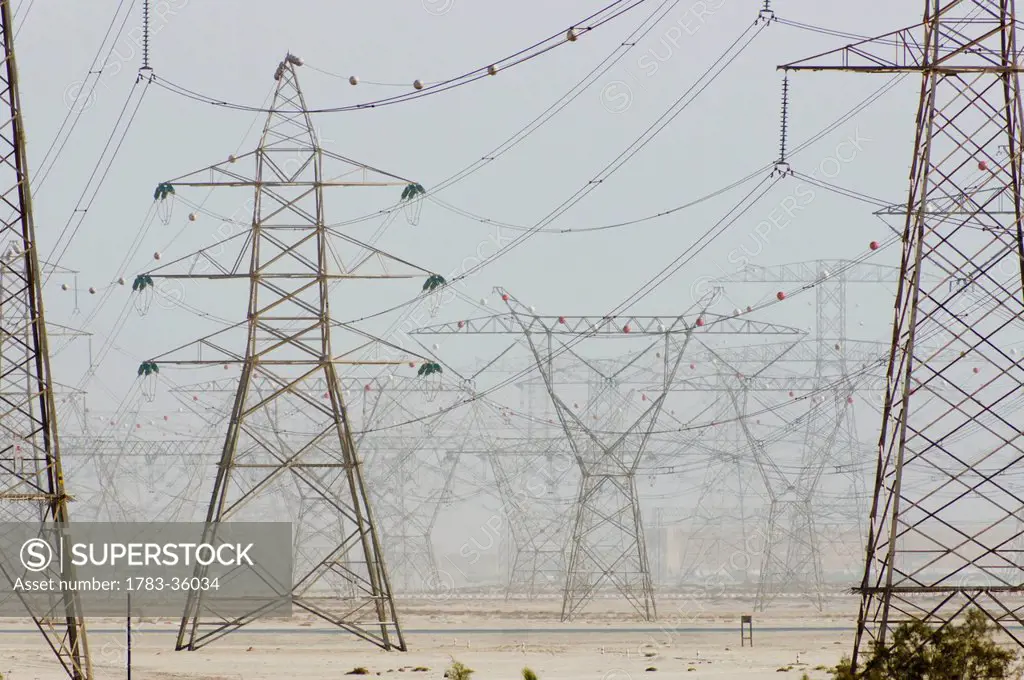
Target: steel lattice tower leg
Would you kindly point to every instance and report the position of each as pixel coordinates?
(31, 475)
(289, 342)
(947, 498)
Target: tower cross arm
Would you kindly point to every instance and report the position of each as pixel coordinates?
(972, 46)
(251, 183)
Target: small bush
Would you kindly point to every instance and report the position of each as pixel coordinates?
(458, 671)
(528, 674)
(358, 670)
(420, 669)
(650, 669)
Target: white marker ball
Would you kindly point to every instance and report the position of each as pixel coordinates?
(353, 80)
(64, 286)
(418, 84)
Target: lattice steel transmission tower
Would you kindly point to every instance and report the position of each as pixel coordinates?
(290, 338)
(947, 498)
(31, 475)
(829, 433)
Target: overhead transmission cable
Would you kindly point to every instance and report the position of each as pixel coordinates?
(863, 104)
(75, 108)
(101, 169)
(608, 13)
(646, 26)
(677, 107)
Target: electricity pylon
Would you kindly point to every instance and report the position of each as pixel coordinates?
(607, 548)
(946, 504)
(31, 476)
(829, 434)
(290, 337)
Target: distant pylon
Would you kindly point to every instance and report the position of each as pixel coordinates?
(947, 496)
(31, 474)
(288, 335)
(829, 431)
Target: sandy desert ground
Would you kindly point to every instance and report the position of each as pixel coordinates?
(495, 638)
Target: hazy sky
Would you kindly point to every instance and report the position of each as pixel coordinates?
(229, 50)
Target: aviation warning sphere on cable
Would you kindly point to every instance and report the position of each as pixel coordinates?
(353, 80)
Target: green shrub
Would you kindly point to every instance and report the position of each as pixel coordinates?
(919, 652)
(529, 674)
(458, 671)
